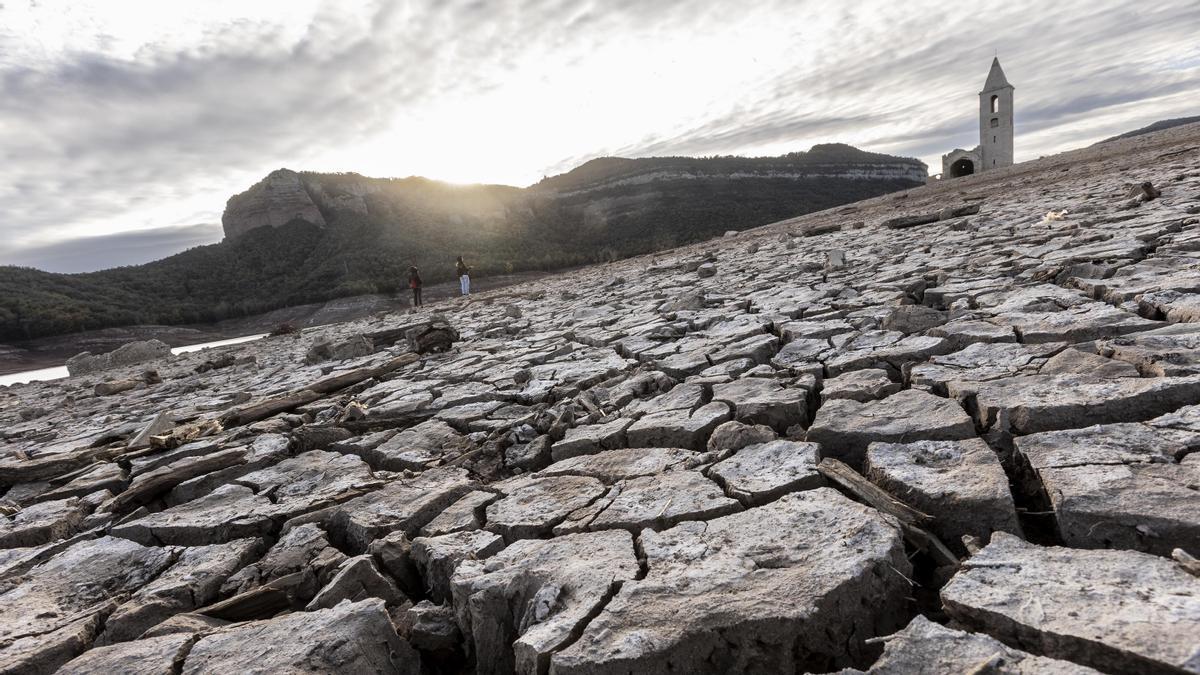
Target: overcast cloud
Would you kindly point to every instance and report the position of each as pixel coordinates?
(124, 126)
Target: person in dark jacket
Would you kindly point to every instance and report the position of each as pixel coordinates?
(464, 276)
(414, 282)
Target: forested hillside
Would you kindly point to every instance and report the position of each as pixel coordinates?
(369, 231)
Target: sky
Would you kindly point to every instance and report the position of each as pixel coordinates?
(125, 126)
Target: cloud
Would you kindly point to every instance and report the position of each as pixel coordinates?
(88, 254)
(89, 137)
(120, 119)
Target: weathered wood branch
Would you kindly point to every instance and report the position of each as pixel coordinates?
(263, 409)
(911, 520)
(869, 493)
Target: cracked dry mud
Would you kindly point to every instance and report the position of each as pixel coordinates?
(970, 448)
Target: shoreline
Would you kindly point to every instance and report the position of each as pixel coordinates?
(53, 351)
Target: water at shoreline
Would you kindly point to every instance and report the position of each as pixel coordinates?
(58, 372)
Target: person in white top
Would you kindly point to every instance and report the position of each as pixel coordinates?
(464, 276)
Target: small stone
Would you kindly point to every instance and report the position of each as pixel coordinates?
(437, 336)
(656, 502)
(125, 355)
(1144, 192)
(532, 506)
(737, 435)
(352, 348)
(611, 466)
(463, 515)
(678, 429)
(588, 439)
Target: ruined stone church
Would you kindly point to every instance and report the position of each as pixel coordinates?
(995, 147)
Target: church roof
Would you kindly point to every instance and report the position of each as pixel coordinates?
(995, 78)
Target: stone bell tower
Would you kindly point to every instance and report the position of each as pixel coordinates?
(996, 120)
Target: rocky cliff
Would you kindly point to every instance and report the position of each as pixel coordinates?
(284, 195)
(950, 430)
(830, 161)
(276, 200)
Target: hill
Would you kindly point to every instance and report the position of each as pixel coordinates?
(302, 237)
(1157, 126)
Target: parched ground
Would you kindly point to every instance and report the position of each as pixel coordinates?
(951, 430)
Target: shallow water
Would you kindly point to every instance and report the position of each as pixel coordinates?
(58, 372)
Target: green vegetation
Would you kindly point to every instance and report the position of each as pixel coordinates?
(415, 221)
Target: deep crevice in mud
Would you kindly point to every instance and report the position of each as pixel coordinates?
(1034, 512)
(543, 665)
(929, 579)
(181, 658)
(338, 541)
(813, 404)
(640, 553)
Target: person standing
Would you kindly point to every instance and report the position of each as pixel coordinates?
(464, 276)
(414, 282)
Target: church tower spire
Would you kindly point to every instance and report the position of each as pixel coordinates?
(996, 120)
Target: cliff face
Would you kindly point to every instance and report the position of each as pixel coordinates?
(829, 161)
(875, 171)
(665, 170)
(278, 199)
(608, 185)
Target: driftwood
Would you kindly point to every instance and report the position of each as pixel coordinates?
(989, 666)
(389, 337)
(370, 424)
(130, 455)
(270, 407)
(262, 602)
(903, 222)
(263, 409)
(1190, 564)
(929, 544)
(868, 492)
(153, 483)
(15, 469)
(911, 520)
(1178, 152)
(343, 380)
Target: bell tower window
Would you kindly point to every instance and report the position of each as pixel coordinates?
(995, 103)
